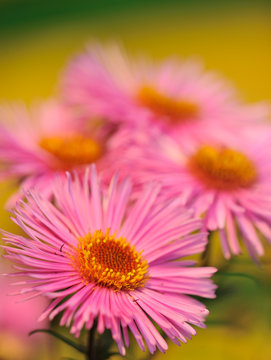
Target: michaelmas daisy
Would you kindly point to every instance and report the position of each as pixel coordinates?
(49, 139)
(97, 255)
(173, 95)
(225, 179)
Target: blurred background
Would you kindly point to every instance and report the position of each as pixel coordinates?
(37, 38)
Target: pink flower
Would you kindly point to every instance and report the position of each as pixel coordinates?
(228, 181)
(96, 255)
(18, 318)
(172, 95)
(51, 139)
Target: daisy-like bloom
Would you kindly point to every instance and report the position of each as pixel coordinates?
(17, 319)
(50, 139)
(227, 182)
(171, 95)
(96, 255)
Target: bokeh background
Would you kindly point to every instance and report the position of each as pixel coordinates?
(37, 38)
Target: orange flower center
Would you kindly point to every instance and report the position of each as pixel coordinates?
(72, 150)
(175, 110)
(223, 169)
(109, 261)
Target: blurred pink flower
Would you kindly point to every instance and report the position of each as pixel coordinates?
(51, 139)
(172, 95)
(17, 319)
(228, 181)
(96, 255)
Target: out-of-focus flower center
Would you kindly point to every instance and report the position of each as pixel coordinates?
(109, 261)
(174, 109)
(222, 168)
(72, 150)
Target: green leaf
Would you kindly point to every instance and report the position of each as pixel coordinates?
(112, 354)
(219, 322)
(237, 274)
(66, 340)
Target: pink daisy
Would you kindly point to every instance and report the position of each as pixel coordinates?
(171, 95)
(228, 181)
(33, 146)
(18, 318)
(98, 256)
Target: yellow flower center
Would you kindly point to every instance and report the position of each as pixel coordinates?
(223, 169)
(72, 150)
(175, 110)
(109, 261)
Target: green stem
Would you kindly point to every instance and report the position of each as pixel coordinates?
(206, 255)
(91, 351)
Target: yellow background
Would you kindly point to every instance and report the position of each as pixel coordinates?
(234, 40)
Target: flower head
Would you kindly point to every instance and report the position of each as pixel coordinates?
(225, 179)
(51, 139)
(17, 319)
(172, 95)
(97, 255)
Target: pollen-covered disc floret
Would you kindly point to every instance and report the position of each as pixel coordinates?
(109, 261)
(174, 109)
(72, 150)
(222, 168)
